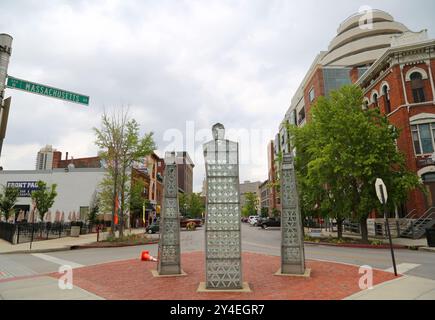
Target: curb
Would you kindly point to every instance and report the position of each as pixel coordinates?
(79, 247)
(427, 249)
(359, 246)
(65, 248)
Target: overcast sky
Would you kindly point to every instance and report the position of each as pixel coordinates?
(177, 64)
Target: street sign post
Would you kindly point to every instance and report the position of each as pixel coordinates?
(41, 89)
(381, 191)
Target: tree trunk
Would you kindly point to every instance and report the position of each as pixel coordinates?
(340, 228)
(364, 230)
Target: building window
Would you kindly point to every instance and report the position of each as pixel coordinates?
(312, 95)
(417, 87)
(301, 116)
(293, 118)
(387, 102)
(375, 100)
(423, 137)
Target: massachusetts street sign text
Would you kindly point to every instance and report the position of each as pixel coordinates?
(44, 90)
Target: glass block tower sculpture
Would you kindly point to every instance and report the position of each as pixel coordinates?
(169, 244)
(223, 240)
(292, 245)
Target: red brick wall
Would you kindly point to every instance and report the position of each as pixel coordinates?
(317, 83)
(400, 119)
(92, 162)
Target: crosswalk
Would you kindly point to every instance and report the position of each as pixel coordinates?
(58, 261)
(403, 267)
(11, 269)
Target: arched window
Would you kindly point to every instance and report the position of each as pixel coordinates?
(417, 87)
(375, 100)
(386, 93)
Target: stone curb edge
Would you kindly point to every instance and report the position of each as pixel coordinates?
(360, 246)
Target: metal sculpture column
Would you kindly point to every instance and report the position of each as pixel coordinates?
(292, 245)
(169, 244)
(223, 240)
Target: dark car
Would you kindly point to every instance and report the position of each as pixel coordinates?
(153, 228)
(269, 222)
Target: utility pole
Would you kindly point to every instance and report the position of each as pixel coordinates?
(5, 54)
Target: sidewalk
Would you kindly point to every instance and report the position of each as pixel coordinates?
(41, 288)
(55, 244)
(403, 288)
(397, 241)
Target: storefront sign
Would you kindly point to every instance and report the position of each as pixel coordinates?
(25, 187)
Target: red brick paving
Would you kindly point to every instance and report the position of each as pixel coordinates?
(132, 280)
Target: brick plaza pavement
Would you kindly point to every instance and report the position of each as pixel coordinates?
(132, 280)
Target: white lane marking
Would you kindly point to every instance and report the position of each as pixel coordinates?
(57, 260)
(403, 267)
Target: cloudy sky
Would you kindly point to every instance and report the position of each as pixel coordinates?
(181, 66)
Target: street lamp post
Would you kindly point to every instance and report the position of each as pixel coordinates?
(5, 53)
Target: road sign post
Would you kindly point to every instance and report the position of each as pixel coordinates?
(381, 191)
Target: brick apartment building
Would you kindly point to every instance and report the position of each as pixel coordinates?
(395, 68)
(401, 85)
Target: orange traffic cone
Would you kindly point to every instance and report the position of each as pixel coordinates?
(145, 255)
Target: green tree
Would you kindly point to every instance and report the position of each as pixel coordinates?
(8, 200)
(264, 212)
(94, 208)
(183, 204)
(137, 200)
(121, 146)
(340, 153)
(191, 205)
(196, 205)
(44, 198)
(251, 204)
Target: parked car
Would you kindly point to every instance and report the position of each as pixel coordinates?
(184, 221)
(251, 218)
(244, 219)
(254, 220)
(153, 228)
(269, 222)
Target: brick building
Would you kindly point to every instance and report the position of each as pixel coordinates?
(401, 84)
(185, 172)
(394, 66)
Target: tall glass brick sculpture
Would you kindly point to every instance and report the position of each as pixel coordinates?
(222, 232)
(292, 245)
(169, 243)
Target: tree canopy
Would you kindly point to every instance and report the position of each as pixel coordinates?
(44, 197)
(8, 200)
(341, 152)
(121, 145)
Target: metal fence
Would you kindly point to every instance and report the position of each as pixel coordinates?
(27, 232)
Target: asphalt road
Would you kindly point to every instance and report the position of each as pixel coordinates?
(416, 263)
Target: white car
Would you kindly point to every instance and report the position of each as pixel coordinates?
(253, 220)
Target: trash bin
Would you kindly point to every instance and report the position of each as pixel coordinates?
(75, 231)
(430, 236)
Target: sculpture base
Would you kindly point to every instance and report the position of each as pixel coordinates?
(202, 288)
(156, 274)
(306, 274)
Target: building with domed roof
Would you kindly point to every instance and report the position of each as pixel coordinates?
(395, 67)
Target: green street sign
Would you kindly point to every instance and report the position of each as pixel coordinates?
(15, 83)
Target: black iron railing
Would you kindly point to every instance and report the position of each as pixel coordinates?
(27, 232)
